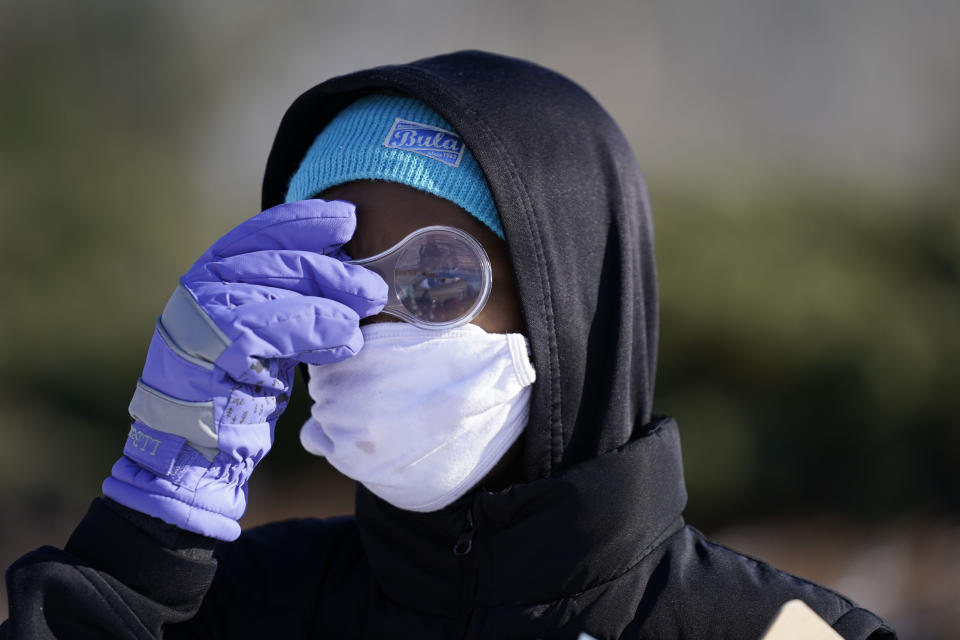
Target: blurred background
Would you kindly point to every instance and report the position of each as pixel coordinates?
(802, 160)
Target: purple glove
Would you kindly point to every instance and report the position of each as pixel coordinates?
(271, 293)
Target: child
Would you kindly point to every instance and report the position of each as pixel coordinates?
(514, 481)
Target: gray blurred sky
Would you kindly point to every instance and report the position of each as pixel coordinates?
(864, 91)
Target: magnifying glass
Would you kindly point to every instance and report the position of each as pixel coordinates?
(438, 277)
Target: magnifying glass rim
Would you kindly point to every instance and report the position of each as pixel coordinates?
(486, 278)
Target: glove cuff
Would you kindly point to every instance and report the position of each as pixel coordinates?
(137, 488)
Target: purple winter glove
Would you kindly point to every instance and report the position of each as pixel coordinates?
(271, 293)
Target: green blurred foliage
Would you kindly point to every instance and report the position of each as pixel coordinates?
(809, 343)
(810, 348)
(99, 216)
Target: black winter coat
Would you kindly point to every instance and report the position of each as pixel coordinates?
(593, 541)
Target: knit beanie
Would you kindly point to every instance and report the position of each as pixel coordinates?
(397, 139)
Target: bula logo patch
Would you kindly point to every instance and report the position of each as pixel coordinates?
(433, 142)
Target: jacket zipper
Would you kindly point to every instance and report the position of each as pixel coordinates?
(464, 543)
(462, 549)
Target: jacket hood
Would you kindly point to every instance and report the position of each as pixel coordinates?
(575, 213)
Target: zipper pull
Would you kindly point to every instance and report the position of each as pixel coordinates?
(465, 542)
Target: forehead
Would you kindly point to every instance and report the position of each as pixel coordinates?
(388, 211)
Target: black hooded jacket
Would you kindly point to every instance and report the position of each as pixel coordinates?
(593, 541)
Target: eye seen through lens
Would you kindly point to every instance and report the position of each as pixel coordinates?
(437, 278)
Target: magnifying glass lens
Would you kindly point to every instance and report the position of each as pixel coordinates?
(438, 277)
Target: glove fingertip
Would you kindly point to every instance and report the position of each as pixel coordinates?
(374, 307)
(334, 354)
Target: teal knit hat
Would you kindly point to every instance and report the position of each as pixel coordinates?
(397, 139)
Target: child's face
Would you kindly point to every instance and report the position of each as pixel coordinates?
(387, 212)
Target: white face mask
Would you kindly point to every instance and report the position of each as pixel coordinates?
(419, 416)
